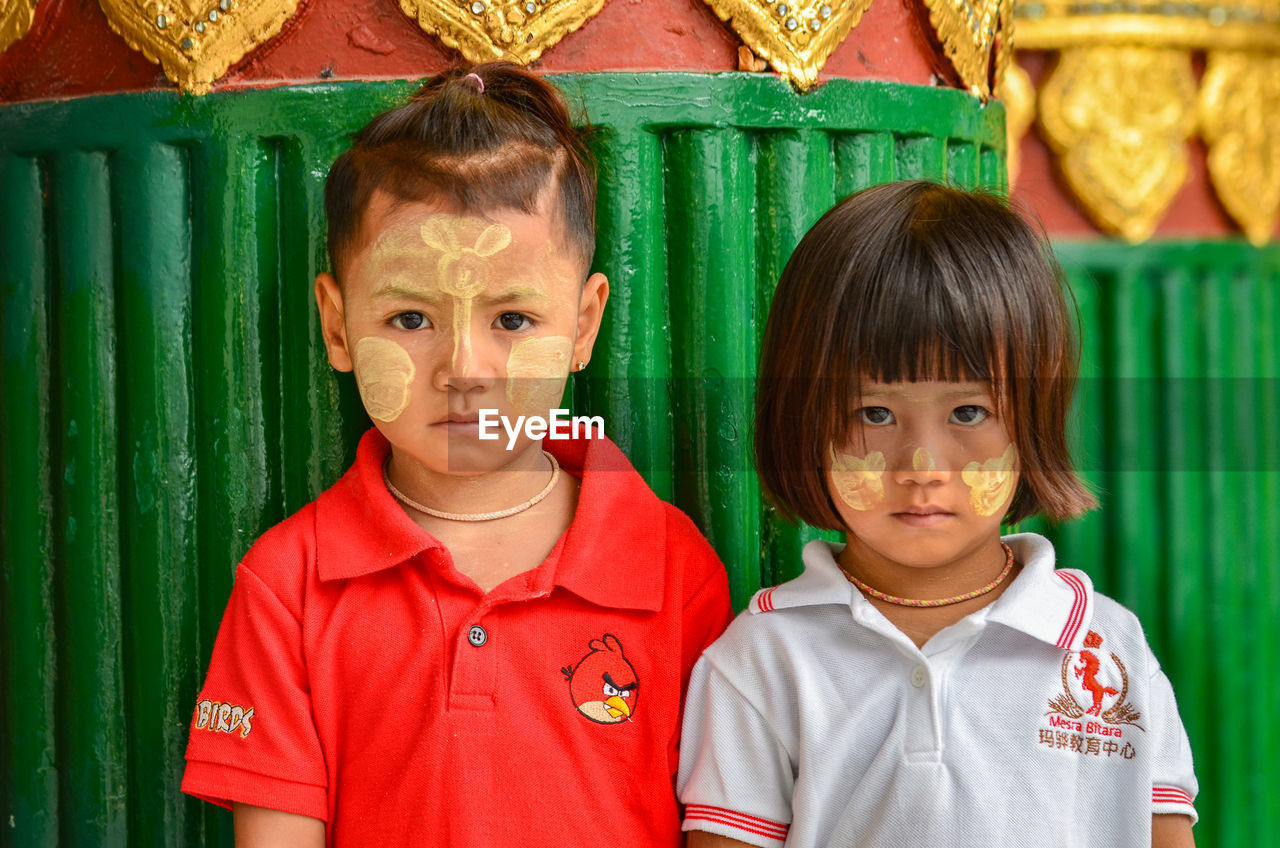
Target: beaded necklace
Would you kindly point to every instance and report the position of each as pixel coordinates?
(476, 516)
(938, 602)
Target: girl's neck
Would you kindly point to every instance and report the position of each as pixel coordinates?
(968, 573)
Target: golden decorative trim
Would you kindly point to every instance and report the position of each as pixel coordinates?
(195, 41)
(1240, 122)
(516, 30)
(1018, 94)
(1120, 118)
(1190, 24)
(969, 30)
(795, 36)
(15, 20)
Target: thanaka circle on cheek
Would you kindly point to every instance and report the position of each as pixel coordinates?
(537, 367)
(384, 372)
(991, 482)
(858, 480)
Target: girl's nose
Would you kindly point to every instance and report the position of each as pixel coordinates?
(919, 465)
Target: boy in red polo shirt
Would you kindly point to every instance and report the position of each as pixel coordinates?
(468, 639)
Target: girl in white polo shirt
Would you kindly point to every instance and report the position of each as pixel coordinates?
(927, 683)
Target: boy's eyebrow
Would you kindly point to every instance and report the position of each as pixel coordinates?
(514, 293)
(399, 291)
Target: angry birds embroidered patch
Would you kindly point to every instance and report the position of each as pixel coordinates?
(603, 685)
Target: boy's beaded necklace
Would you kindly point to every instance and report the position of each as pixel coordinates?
(476, 516)
(938, 602)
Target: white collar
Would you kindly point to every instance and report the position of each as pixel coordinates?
(1053, 605)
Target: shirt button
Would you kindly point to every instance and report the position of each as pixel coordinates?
(477, 635)
(919, 676)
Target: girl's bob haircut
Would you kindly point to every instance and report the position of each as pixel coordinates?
(906, 282)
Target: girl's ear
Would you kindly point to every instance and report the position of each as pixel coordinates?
(332, 324)
(595, 293)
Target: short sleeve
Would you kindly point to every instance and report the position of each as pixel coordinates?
(1173, 779)
(253, 738)
(736, 777)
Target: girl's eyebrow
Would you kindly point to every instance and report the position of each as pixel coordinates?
(977, 391)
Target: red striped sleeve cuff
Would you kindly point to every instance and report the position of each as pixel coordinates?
(1170, 795)
(737, 821)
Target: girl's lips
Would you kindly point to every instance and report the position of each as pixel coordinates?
(923, 518)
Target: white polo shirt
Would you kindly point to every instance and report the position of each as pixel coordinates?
(1042, 719)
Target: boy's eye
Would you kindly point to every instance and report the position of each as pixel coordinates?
(514, 321)
(875, 415)
(968, 415)
(410, 321)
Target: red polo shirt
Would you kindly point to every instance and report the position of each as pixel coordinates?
(359, 678)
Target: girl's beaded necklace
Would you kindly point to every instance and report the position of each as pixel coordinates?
(938, 602)
(476, 516)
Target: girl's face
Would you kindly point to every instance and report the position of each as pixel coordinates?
(927, 477)
(443, 316)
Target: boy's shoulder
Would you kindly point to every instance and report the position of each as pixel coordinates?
(351, 528)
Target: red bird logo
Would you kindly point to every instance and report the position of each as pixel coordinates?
(603, 684)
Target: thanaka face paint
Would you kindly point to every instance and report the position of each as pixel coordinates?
(858, 480)
(535, 371)
(991, 482)
(922, 460)
(384, 373)
(464, 244)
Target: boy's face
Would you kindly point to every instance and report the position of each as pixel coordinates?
(927, 477)
(443, 315)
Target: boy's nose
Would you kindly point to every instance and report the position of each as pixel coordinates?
(470, 365)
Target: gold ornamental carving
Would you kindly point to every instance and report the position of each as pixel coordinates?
(1119, 119)
(796, 37)
(1240, 123)
(969, 31)
(195, 41)
(515, 30)
(1018, 94)
(15, 20)
(1131, 62)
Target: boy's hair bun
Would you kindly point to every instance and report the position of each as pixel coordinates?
(493, 136)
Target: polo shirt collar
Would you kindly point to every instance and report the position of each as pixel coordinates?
(1052, 605)
(613, 553)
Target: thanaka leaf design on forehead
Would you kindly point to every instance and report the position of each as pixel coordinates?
(858, 480)
(991, 482)
(465, 244)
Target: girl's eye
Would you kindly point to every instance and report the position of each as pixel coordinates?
(968, 415)
(514, 321)
(875, 415)
(410, 321)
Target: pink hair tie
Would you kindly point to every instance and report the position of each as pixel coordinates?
(479, 82)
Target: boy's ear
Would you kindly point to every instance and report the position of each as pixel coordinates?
(595, 293)
(332, 326)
